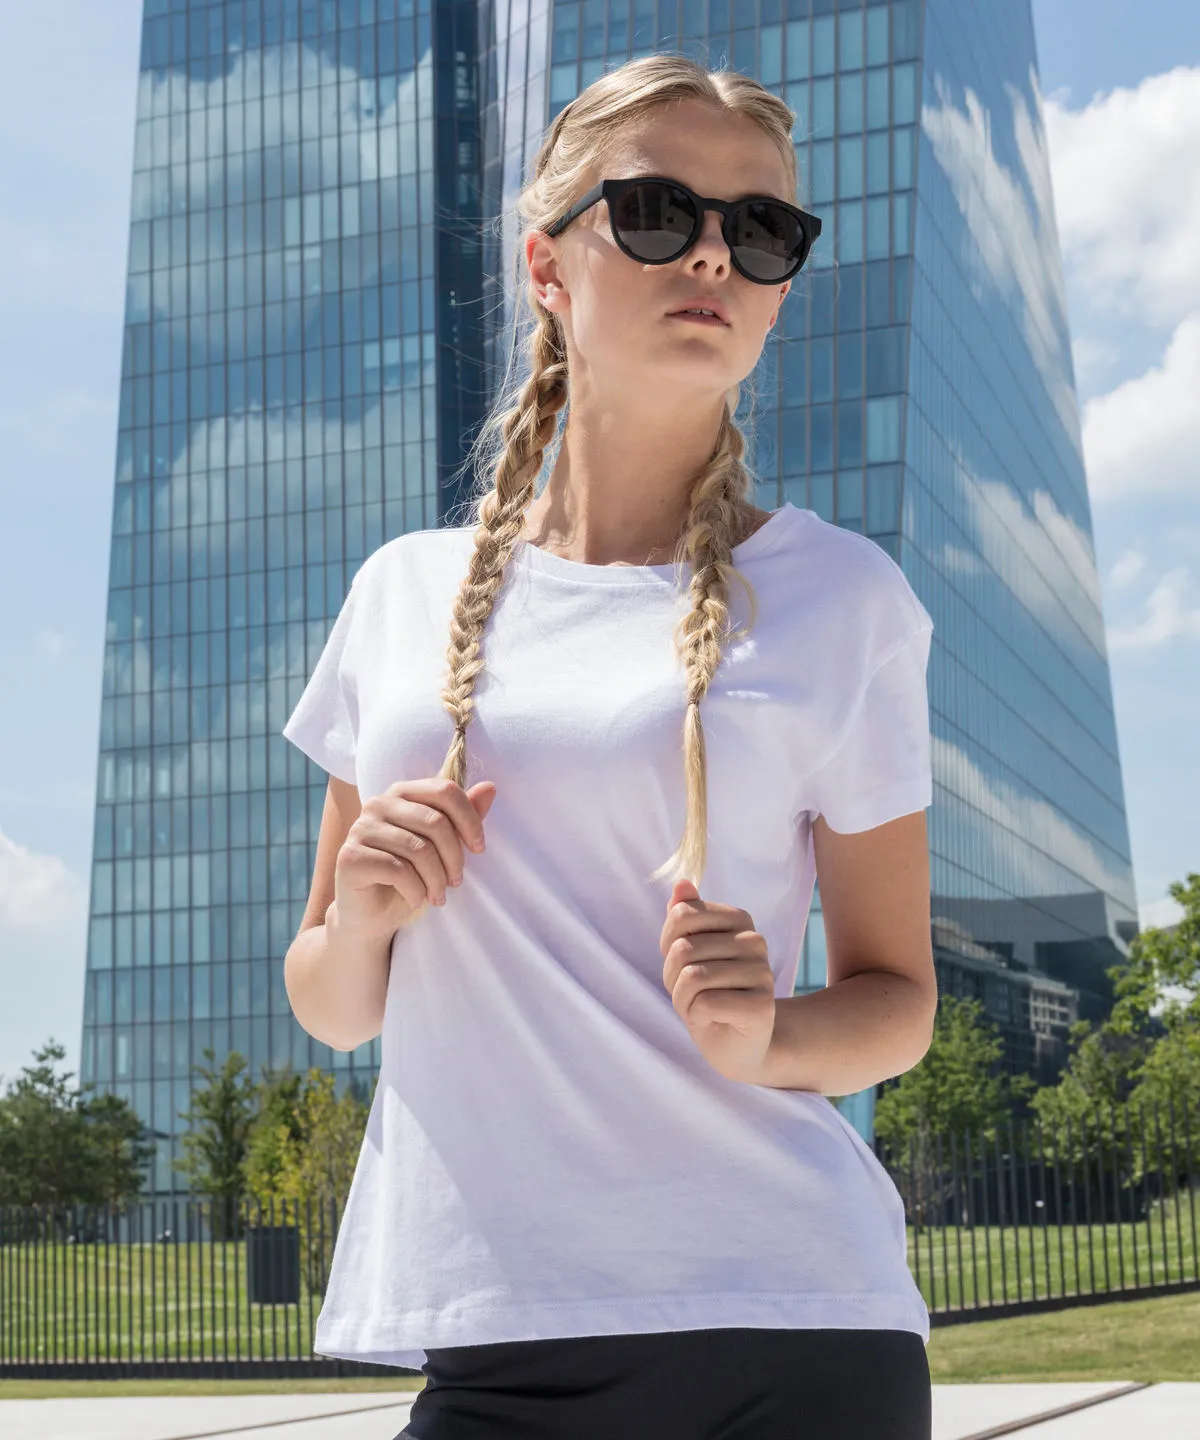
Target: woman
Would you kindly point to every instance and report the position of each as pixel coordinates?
(602, 1192)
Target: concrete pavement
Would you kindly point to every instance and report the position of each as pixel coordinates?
(1118, 1408)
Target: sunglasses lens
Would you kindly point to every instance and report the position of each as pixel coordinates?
(768, 240)
(654, 220)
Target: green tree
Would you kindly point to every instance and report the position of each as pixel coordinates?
(277, 1133)
(220, 1120)
(61, 1144)
(1127, 1078)
(957, 1086)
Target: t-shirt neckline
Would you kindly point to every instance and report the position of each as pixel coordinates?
(532, 557)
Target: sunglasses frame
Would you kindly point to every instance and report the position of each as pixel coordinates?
(611, 191)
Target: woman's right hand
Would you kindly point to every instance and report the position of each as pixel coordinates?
(405, 848)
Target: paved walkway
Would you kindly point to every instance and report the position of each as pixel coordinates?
(1117, 1409)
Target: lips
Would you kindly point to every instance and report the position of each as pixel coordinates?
(704, 302)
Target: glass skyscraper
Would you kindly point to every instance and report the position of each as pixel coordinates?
(314, 321)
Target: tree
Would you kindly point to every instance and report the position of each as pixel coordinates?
(215, 1146)
(305, 1161)
(956, 1087)
(1137, 1066)
(62, 1145)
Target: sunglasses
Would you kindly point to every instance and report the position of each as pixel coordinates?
(655, 220)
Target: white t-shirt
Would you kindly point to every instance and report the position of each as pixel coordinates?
(548, 1154)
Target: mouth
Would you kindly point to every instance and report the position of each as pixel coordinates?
(698, 319)
(717, 314)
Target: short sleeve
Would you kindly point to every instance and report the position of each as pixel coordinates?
(324, 723)
(881, 768)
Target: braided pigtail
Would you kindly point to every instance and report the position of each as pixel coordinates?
(527, 428)
(718, 517)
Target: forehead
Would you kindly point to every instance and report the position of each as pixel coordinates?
(709, 150)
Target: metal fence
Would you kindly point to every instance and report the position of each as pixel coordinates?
(999, 1224)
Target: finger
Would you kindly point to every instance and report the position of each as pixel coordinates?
(418, 834)
(454, 801)
(372, 866)
(691, 917)
(709, 950)
(722, 1006)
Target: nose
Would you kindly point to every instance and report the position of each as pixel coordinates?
(710, 244)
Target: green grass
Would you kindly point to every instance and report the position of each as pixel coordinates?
(1145, 1340)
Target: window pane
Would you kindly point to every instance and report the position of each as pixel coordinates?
(850, 169)
(820, 358)
(797, 49)
(877, 35)
(877, 164)
(904, 94)
(878, 240)
(902, 153)
(877, 99)
(850, 359)
(883, 429)
(885, 361)
(850, 40)
(850, 233)
(850, 103)
(821, 437)
(822, 108)
(822, 37)
(850, 440)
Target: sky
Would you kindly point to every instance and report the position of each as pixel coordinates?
(1121, 82)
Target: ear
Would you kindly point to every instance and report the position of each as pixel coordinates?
(542, 257)
(783, 290)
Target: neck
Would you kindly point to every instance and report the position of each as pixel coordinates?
(620, 494)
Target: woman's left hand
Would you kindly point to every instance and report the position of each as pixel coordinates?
(720, 981)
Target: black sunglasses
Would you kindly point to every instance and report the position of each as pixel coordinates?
(656, 220)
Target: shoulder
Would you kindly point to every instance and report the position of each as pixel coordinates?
(860, 572)
(413, 557)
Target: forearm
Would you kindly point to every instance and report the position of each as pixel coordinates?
(849, 1036)
(337, 982)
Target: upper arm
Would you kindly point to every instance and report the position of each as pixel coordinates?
(875, 900)
(342, 809)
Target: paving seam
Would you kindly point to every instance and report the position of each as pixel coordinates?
(1014, 1427)
(295, 1420)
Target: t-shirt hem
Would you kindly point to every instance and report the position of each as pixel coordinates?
(395, 1343)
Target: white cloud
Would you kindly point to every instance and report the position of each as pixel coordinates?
(1170, 614)
(1126, 174)
(1144, 436)
(1127, 569)
(1010, 227)
(43, 928)
(1166, 911)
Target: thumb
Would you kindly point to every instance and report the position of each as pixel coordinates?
(682, 890)
(481, 796)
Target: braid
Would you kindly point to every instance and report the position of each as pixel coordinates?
(718, 513)
(527, 428)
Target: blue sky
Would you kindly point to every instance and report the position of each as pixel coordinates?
(1122, 88)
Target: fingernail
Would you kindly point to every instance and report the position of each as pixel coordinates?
(477, 846)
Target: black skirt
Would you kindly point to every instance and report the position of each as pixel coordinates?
(734, 1384)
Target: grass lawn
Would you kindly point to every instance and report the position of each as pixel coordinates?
(1147, 1340)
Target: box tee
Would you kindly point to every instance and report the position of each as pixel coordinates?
(547, 1153)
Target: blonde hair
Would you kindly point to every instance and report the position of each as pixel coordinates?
(509, 449)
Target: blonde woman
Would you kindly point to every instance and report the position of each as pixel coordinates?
(602, 1191)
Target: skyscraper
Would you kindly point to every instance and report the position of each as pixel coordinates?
(314, 318)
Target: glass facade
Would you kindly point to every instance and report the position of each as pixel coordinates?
(314, 318)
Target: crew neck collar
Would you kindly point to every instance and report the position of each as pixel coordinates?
(533, 558)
